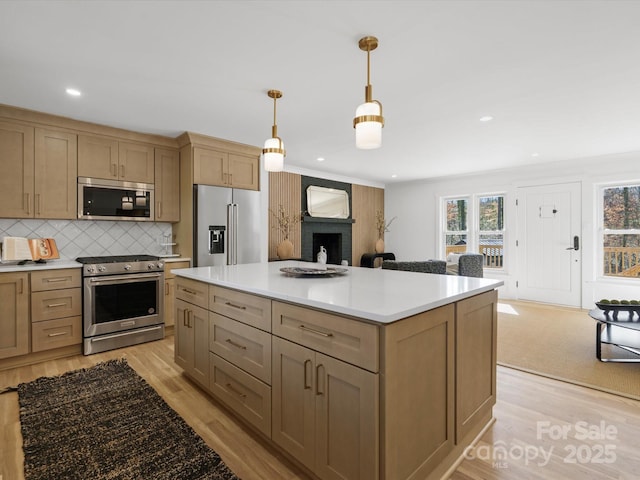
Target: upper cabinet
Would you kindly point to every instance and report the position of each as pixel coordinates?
(39, 169)
(108, 158)
(167, 185)
(213, 167)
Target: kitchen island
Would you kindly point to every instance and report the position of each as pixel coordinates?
(372, 374)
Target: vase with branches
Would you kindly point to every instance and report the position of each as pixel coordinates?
(283, 223)
(382, 226)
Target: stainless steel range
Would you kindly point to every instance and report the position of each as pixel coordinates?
(122, 301)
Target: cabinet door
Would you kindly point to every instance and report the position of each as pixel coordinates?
(183, 336)
(169, 302)
(97, 157)
(56, 171)
(346, 420)
(14, 314)
(16, 165)
(476, 336)
(192, 341)
(210, 167)
(135, 162)
(167, 185)
(293, 400)
(244, 172)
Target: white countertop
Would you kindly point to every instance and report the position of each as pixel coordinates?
(31, 266)
(376, 294)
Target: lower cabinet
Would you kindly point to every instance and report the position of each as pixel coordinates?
(14, 314)
(192, 341)
(170, 289)
(347, 399)
(325, 412)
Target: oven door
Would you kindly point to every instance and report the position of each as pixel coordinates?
(115, 303)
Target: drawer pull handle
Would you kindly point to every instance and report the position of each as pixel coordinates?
(237, 345)
(51, 305)
(240, 307)
(317, 332)
(186, 290)
(236, 391)
(57, 334)
(55, 280)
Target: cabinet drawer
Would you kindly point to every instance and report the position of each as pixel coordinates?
(56, 333)
(52, 304)
(55, 279)
(244, 307)
(169, 267)
(244, 346)
(340, 337)
(244, 394)
(192, 291)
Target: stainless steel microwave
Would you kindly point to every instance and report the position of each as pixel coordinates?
(100, 199)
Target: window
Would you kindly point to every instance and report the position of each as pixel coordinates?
(491, 229)
(621, 231)
(485, 215)
(456, 225)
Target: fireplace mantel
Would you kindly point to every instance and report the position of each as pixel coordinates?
(308, 218)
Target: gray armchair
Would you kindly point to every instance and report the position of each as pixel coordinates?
(470, 265)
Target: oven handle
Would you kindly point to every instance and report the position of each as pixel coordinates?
(133, 278)
(122, 334)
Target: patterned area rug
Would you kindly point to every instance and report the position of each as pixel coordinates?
(106, 422)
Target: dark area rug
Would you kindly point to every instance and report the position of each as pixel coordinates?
(106, 422)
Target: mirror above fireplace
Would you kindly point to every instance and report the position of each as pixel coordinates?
(327, 202)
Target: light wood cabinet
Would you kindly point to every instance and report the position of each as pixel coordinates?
(476, 357)
(39, 169)
(167, 185)
(344, 397)
(109, 158)
(56, 309)
(14, 314)
(213, 167)
(192, 340)
(170, 290)
(325, 412)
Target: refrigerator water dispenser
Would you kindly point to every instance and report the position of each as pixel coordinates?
(216, 239)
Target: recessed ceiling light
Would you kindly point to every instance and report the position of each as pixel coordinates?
(74, 92)
(394, 176)
(535, 154)
(320, 159)
(486, 118)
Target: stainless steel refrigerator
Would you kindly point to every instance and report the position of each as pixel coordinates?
(226, 226)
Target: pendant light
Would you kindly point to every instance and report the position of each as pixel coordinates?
(369, 120)
(273, 151)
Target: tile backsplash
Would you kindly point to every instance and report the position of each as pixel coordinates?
(88, 238)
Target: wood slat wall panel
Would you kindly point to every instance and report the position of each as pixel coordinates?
(285, 190)
(365, 202)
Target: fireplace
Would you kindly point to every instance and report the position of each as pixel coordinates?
(334, 234)
(332, 242)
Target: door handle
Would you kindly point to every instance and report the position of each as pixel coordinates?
(576, 243)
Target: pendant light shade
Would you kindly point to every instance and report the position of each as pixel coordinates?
(368, 121)
(273, 151)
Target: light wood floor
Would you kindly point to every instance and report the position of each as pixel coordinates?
(524, 400)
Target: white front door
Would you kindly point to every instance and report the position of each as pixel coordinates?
(549, 244)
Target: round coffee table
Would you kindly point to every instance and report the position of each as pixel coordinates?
(621, 330)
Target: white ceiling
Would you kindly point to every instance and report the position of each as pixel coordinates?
(560, 78)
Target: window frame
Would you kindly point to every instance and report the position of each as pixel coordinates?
(473, 231)
(602, 231)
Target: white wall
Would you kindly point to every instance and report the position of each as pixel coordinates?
(414, 234)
